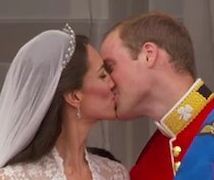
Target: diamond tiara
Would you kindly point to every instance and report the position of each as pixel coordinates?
(71, 47)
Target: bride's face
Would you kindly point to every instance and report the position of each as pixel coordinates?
(98, 101)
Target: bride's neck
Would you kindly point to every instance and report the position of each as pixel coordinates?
(71, 143)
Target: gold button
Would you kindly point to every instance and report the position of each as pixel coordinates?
(177, 165)
(176, 151)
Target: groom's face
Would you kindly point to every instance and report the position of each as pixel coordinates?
(125, 72)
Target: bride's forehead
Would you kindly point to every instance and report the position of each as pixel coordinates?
(94, 57)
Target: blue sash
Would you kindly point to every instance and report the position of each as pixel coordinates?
(198, 162)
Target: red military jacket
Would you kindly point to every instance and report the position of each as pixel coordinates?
(162, 156)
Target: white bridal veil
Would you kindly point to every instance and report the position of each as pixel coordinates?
(29, 87)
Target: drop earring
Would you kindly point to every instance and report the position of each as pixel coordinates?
(78, 113)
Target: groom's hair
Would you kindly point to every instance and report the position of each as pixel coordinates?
(165, 31)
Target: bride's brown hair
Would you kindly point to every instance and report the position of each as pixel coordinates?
(50, 128)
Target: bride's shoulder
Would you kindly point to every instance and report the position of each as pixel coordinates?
(22, 170)
(113, 168)
(11, 172)
(3, 176)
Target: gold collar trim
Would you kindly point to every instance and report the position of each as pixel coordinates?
(185, 110)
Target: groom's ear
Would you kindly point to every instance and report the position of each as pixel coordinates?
(73, 98)
(149, 54)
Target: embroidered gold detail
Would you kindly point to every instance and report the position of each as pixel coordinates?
(176, 151)
(187, 110)
(208, 129)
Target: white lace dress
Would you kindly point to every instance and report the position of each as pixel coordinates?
(50, 167)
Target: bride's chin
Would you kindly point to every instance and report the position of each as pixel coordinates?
(112, 116)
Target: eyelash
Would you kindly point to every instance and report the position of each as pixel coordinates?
(103, 75)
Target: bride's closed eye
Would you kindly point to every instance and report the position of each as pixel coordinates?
(103, 75)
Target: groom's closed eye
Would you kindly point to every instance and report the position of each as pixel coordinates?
(108, 65)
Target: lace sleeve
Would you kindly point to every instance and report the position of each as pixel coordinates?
(3, 176)
(45, 169)
(106, 169)
(120, 173)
